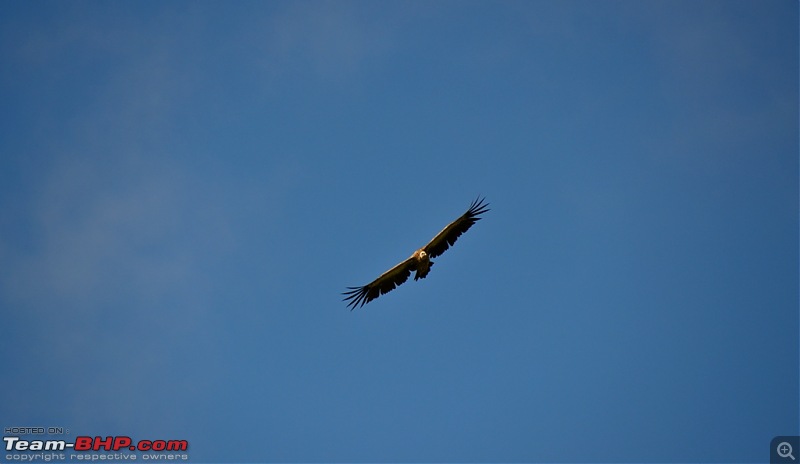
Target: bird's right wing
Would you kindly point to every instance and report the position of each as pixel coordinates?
(359, 296)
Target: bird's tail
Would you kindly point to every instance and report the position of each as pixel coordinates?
(420, 274)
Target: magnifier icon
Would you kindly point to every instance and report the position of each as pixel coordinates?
(785, 450)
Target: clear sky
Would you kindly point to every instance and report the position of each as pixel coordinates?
(187, 187)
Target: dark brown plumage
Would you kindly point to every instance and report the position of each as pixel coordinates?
(420, 261)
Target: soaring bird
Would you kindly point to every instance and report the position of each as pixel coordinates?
(420, 261)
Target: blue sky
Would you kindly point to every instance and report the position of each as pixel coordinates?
(187, 188)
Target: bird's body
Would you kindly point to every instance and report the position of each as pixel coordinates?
(419, 262)
(424, 263)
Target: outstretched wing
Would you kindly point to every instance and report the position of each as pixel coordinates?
(359, 296)
(450, 234)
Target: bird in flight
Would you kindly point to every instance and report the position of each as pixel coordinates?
(420, 261)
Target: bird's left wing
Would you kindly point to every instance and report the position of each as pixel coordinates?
(450, 234)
